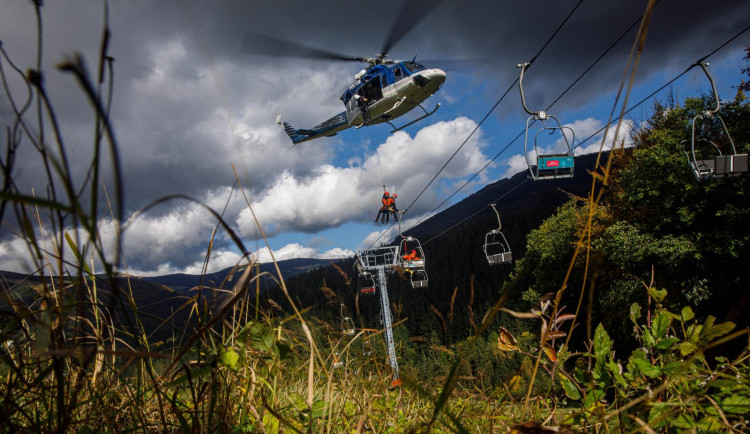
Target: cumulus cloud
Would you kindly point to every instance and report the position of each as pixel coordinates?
(296, 250)
(331, 196)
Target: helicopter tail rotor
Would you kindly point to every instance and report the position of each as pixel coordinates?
(276, 115)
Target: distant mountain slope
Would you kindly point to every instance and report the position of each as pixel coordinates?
(454, 259)
(519, 195)
(290, 267)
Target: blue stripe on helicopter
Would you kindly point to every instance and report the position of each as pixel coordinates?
(303, 135)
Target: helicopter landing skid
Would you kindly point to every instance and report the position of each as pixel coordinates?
(426, 114)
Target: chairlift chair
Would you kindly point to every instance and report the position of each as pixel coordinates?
(366, 283)
(496, 247)
(407, 245)
(548, 166)
(720, 165)
(367, 348)
(337, 361)
(347, 324)
(418, 278)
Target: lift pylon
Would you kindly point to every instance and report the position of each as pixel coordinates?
(378, 262)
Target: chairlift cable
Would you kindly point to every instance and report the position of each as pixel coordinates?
(601, 56)
(555, 101)
(566, 90)
(549, 40)
(478, 211)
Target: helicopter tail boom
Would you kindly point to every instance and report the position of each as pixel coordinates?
(327, 128)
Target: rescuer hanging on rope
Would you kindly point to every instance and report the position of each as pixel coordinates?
(389, 206)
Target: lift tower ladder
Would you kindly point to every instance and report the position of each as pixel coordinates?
(380, 261)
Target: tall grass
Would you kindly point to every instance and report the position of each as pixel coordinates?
(76, 350)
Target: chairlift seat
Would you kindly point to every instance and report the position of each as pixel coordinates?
(554, 166)
(419, 279)
(720, 166)
(417, 263)
(726, 165)
(496, 247)
(500, 258)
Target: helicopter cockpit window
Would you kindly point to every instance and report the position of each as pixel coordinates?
(398, 73)
(413, 67)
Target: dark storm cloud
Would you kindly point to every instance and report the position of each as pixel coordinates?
(211, 35)
(188, 101)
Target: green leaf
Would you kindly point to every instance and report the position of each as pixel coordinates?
(660, 325)
(659, 415)
(592, 398)
(667, 343)
(283, 350)
(229, 358)
(570, 389)
(683, 421)
(645, 367)
(261, 337)
(602, 343)
(657, 294)
(710, 423)
(77, 253)
(635, 313)
(736, 404)
(687, 314)
(318, 409)
(708, 333)
(687, 348)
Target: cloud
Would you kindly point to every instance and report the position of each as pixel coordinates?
(331, 196)
(295, 250)
(188, 103)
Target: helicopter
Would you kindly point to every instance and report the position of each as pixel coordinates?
(380, 93)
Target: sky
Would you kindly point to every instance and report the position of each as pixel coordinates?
(189, 104)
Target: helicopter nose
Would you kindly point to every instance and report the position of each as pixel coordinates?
(432, 77)
(437, 74)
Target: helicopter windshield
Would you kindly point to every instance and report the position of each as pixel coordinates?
(413, 67)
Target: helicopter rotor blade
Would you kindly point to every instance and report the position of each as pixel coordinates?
(456, 65)
(411, 13)
(256, 43)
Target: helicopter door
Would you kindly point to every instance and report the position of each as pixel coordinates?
(372, 90)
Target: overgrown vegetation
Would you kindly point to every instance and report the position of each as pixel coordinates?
(649, 331)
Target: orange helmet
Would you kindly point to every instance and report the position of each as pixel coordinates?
(386, 193)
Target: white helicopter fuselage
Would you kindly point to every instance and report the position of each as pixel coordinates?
(398, 98)
(384, 92)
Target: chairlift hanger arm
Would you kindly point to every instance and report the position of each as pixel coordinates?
(703, 66)
(541, 115)
(499, 225)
